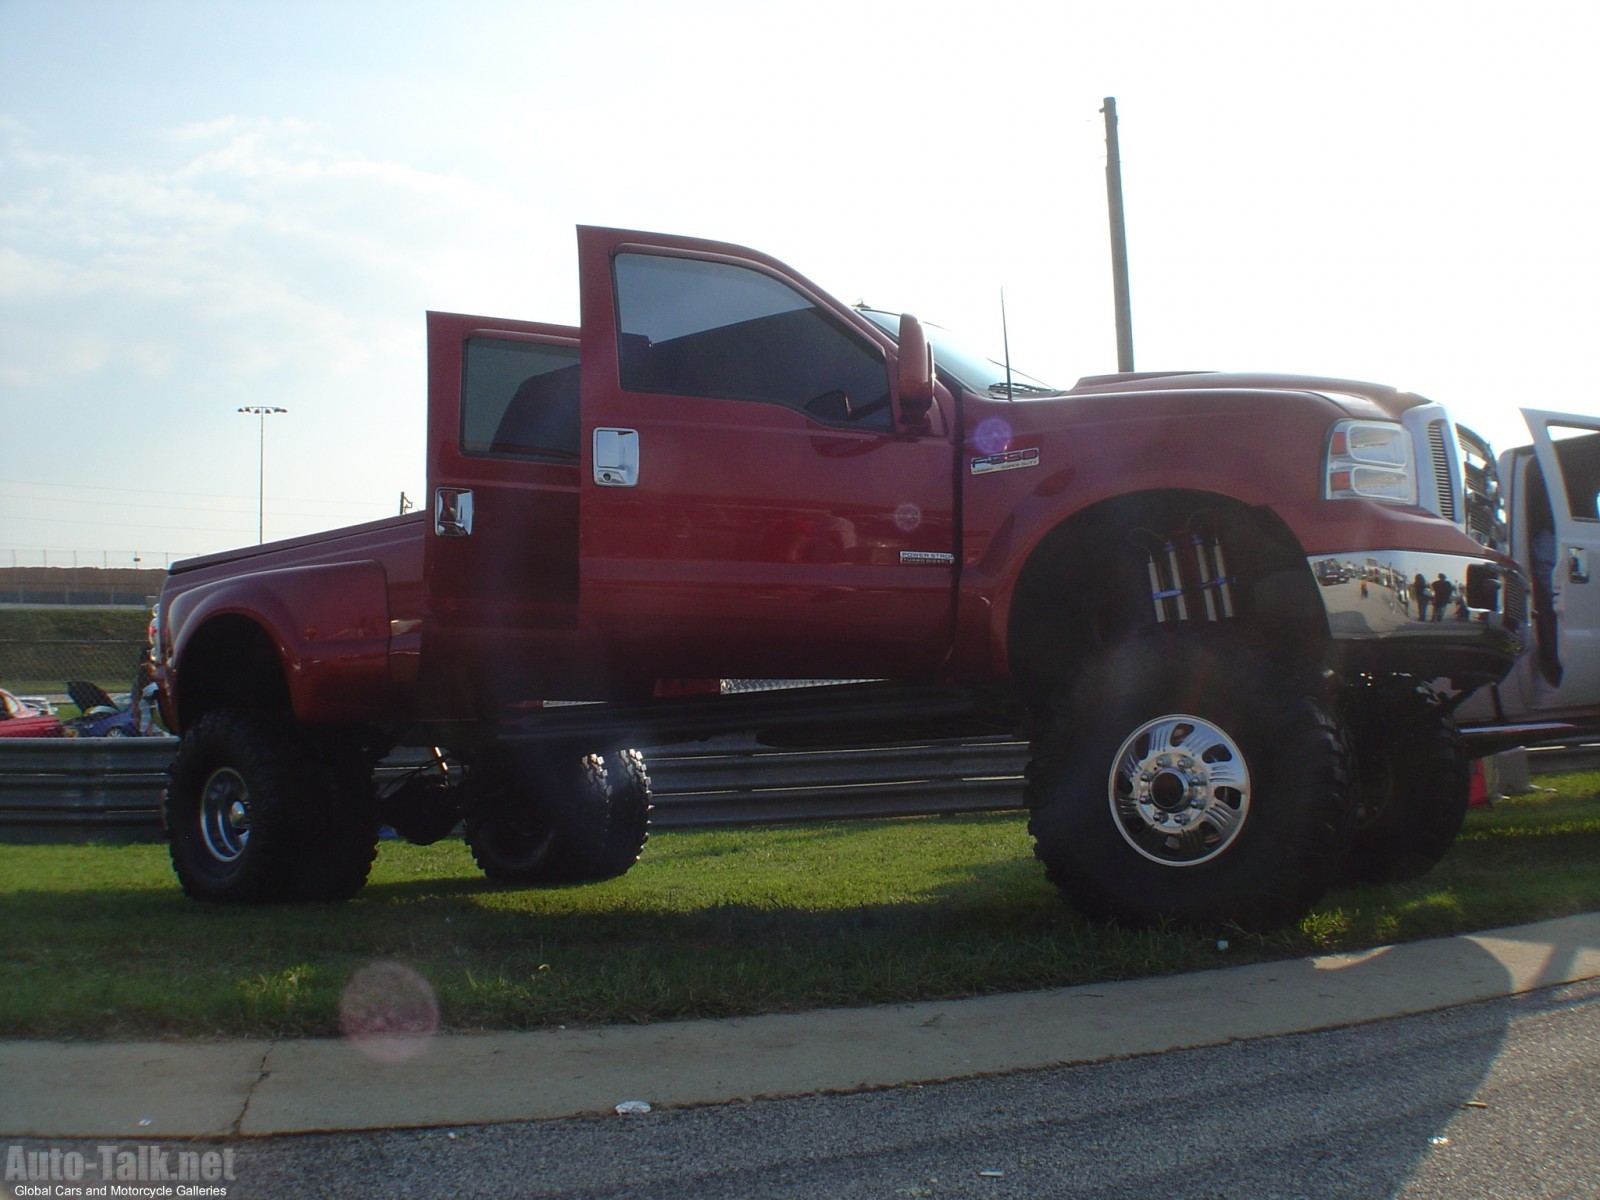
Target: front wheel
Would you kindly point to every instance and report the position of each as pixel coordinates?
(1188, 777)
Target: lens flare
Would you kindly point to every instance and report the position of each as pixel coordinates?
(992, 435)
(388, 1012)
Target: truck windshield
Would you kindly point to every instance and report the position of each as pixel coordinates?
(974, 370)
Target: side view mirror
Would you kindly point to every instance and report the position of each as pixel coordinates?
(915, 391)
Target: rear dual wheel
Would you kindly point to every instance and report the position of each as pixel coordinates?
(257, 811)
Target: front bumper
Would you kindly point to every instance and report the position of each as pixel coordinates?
(1380, 620)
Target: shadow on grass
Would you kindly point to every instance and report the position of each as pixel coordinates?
(709, 924)
(114, 961)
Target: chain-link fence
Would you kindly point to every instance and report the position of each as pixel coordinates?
(79, 586)
(44, 668)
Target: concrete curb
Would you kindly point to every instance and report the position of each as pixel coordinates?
(256, 1088)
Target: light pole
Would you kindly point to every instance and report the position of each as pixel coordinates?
(1119, 240)
(261, 411)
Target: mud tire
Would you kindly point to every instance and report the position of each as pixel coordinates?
(627, 816)
(1264, 800)
(1413, 782)
(345, 837)
(256, 813)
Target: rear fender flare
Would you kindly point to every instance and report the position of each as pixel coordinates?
(329, 625)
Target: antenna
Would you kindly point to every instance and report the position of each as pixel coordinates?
(1005, 343)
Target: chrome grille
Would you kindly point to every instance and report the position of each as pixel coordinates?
(1439, 450)
(1514, 600)
(1481, 525)
(1485, 511)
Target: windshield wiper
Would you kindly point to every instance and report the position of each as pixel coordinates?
(1007, 391)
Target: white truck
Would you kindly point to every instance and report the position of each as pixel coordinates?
(1538, 503)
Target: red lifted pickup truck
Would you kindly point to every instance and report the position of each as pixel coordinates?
(725, 474)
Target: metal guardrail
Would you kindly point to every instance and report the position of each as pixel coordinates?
(77, 789)
(64, 790)
(82, 789)
(1575, 756)
(744, 785)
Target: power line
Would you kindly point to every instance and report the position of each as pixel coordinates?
(121, 559)
(92, 487)
(300, 522)
(130, 524)
(86, 487)
(99, 503)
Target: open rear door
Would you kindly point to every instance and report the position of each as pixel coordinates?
(1558, 538)
(754, 504)
(501, 548)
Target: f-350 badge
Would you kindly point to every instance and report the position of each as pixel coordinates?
(1011, 460)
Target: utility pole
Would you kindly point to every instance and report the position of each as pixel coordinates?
(1119, 240)
(261, 412)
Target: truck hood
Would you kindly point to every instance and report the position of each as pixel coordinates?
(1359, 399)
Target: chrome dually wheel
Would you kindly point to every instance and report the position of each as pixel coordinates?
(258, 810)
(1180, 790)
(1190, 776)
(225, 814)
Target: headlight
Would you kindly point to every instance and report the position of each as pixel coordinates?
(1371, 459)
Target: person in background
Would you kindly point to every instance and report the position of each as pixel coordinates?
(1442, 590)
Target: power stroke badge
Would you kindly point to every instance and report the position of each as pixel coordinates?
(1011, 460)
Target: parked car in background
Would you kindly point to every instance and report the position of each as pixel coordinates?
(100, 715)
(18, 718)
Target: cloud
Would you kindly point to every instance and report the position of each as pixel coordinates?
(257, 233)
(242, 261)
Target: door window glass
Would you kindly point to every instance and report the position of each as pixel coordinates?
(1578, 451)
(693, 328)
(520, 399)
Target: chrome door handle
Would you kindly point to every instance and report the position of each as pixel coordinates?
(616, 457)
(452, 512)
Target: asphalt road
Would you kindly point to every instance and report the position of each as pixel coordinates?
(1498, 1099)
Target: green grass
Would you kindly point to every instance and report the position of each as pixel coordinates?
(41, 648)
(100, 943)
(64, 623)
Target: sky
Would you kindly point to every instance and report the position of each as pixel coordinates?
(212, 204)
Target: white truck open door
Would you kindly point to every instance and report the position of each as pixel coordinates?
(1554, 487)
